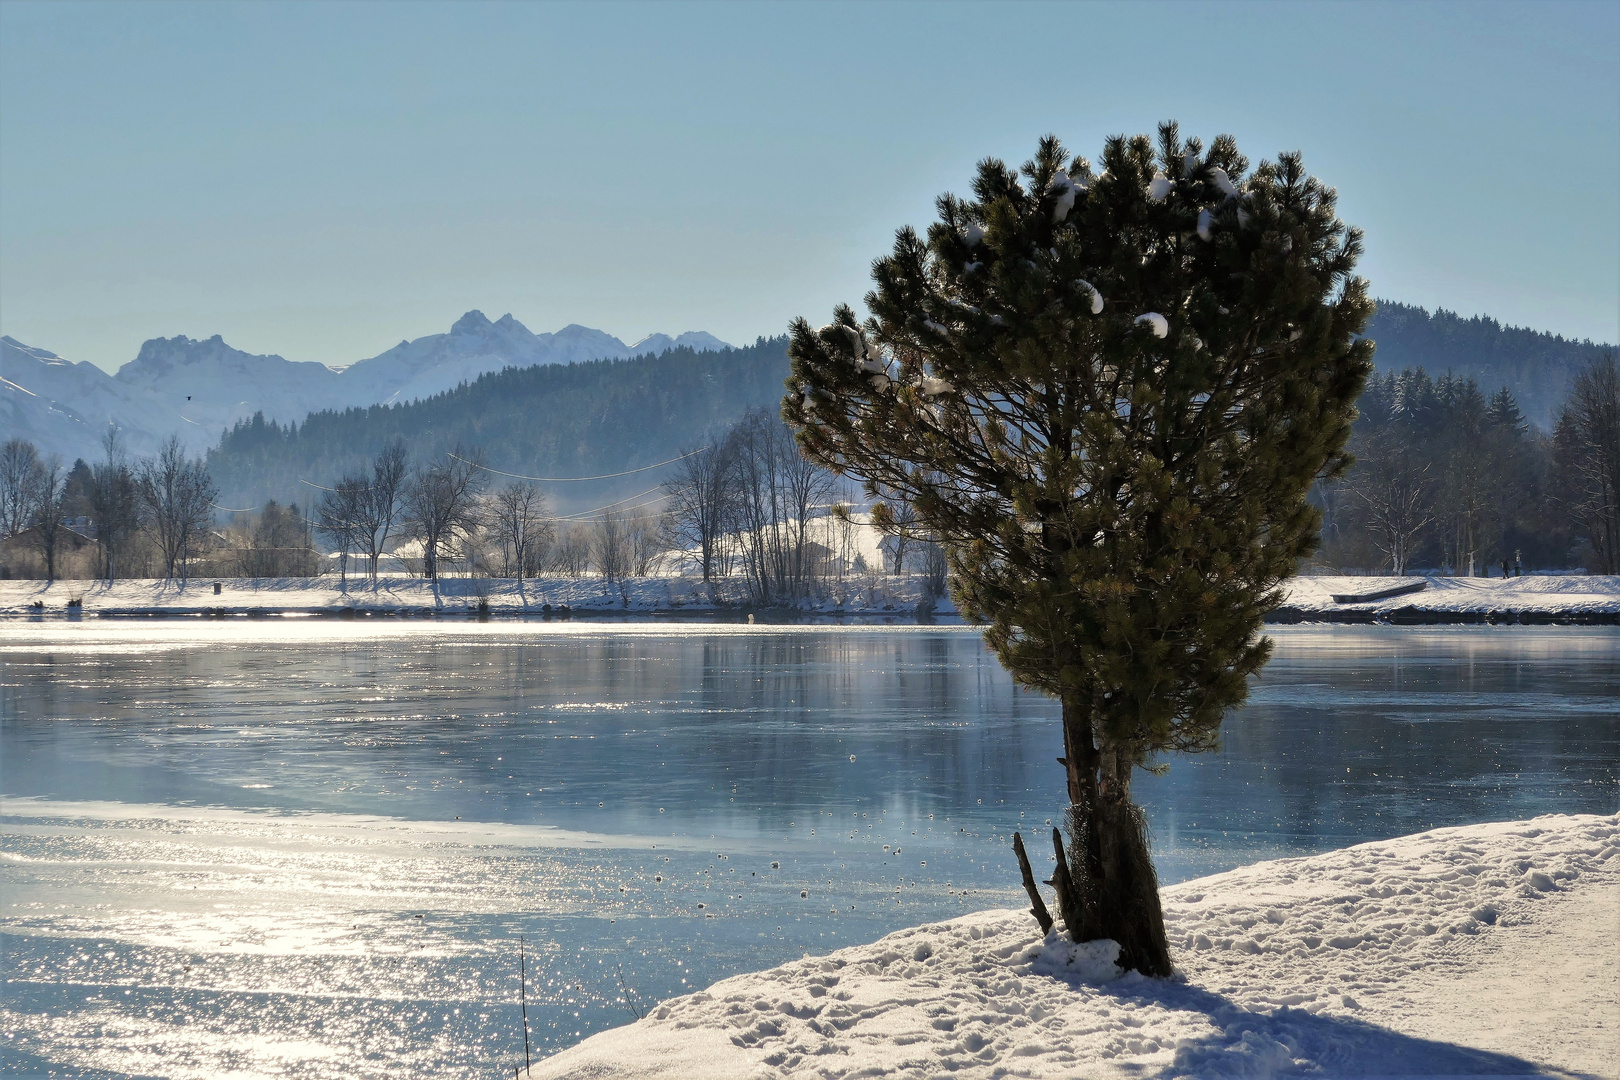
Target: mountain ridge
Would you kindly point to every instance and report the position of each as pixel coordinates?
(200, 387)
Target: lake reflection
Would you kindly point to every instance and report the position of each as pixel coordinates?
(309, 848)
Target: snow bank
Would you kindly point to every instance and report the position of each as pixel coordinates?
(1464, 598)
(858, 594)
(1480, 950)
(1310, 599)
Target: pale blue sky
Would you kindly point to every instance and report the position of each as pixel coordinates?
(322, 181)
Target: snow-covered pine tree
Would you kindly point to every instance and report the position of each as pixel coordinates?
(1108, 395)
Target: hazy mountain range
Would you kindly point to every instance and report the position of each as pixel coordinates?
(201, 388)
(597, 418)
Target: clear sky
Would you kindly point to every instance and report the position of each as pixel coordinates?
(322, 181)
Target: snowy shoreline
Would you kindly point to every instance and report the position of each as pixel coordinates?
(1536, 600)
(1486, 949)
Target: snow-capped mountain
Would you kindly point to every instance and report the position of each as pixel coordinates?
(696, 340)
(64, 407)
(212, 386)
(475, 346)
(199, 388)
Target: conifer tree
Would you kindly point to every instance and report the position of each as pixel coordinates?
(1108, 396)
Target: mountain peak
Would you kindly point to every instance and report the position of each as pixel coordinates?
(474, 322)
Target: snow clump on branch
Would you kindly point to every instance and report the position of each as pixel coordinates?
(1158, 323)
(1066, 191)
(1096, 296)
(1205, 221)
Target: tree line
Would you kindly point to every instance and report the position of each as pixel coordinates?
(584, 419)
(131, 513)
(1447, 478)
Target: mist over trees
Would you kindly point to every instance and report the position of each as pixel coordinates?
(585, 419)
(1537, 367)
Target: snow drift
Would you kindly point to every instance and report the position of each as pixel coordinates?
(1480, 950)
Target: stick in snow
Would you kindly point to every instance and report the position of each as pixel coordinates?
(1038, 906)
(523, 998)
(1064, 885)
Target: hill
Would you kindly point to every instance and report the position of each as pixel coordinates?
(573, 420)
(1536, 366)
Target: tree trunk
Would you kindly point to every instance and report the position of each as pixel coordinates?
(1115, 888)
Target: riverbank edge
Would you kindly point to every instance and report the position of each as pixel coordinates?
(1565, 600)
(777, 616)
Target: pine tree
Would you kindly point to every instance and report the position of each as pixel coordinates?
(1108, 396)
(1503, 412)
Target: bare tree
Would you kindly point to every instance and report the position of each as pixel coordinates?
(934, 564)
(20, 470)
(1394, 489)
(572, 553)
(843, 531)
(519, 514)
(177, 497)
(380, 511)
(338, 519)
(45, 513)
(809, 490)
(647, 531)
(442, 505)
(701, 501)
(1587, 452)
(610, 545)
(902, 532)
(113, 503)
(275, 543)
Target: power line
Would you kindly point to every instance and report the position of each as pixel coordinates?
(586, 513)
(578, 479)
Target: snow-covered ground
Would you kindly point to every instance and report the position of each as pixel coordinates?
(866, 594)
(1307, 599)
(1485, 950)
(1549, 595)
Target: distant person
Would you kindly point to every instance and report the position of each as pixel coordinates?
(1505, 567)
(1518, 565)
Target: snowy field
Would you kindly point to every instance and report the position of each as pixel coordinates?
(1484, 950)
(878, 594)
(1578, 597)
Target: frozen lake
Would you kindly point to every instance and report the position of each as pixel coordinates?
(301, 848)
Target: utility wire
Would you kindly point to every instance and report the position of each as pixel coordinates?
(577, 479)
(596, 510)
